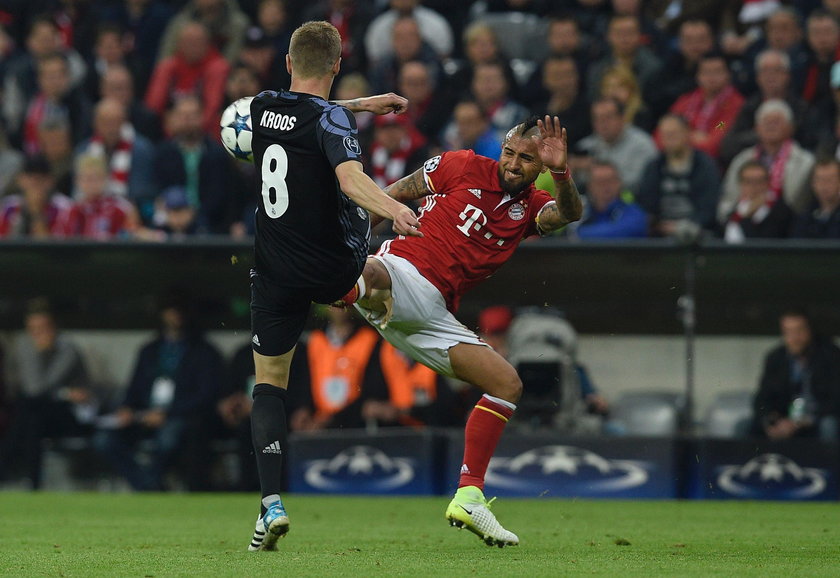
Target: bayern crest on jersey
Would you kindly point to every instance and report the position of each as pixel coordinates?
(516, 212)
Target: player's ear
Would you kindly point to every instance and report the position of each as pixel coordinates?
(336, 67)
(288, 64)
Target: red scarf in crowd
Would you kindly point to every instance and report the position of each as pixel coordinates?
(700, 112)
(120, 161)
(776, 166)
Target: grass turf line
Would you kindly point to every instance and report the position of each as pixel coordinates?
(207, 534)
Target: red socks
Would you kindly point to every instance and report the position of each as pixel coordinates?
(484, 428)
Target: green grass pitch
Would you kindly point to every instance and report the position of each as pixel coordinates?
(44, 534)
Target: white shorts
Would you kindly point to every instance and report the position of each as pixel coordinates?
(420, 324)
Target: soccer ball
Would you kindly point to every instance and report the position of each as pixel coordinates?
(236, 129)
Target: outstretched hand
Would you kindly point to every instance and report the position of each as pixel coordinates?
(406, 223)
(551, 144)
(385, 103)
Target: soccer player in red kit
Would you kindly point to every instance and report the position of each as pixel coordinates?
(476, 212)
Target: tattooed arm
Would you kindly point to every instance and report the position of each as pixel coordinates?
(408, 188)
(378, 104)
(566, 209)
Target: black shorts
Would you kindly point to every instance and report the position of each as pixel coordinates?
(279, 313)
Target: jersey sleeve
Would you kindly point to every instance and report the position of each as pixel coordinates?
(338, 135)
(539, 199)
(442, 171)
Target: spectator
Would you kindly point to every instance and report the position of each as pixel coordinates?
(470, 129)
(243, 80)
(224, 21)
(38, 211)
(53, 397)
(117, 84)
(99, 214)
(694, 39)
(415, 395)
(773, 79)
(129, 156)
(144, 21)
(408, 45)
(259, 53)
(823, 221)
(480, 46)
(169, 401)
(681, 186)
(428, 108)
(197, 162)
(328, 376)
(351, 19)
(759, 213)
(493, 325)
(275, 24)
(56, 98)
(398, 149)
(433, 28)
(711, 108)
(823, 39)
(111, 49)
(828, 119)
(620, 83)
(197, 69)
(176, 216)
(11, 161)
(624, 145)
(56, 144)
(491, 90)
(606, 214)
(787, 162)
(564, 98)
(564, 38)
(782, 31)
(797, 395)
(20, 83)
(625, 48)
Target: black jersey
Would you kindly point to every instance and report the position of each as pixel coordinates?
(308, 233)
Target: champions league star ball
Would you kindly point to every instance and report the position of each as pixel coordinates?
(236, 129)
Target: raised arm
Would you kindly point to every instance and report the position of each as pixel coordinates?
(567, 207)
(377, 104)
(365, 193)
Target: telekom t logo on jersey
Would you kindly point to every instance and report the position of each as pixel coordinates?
(474, 218)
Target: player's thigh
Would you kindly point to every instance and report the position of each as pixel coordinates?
(278, 317)
(273, 369)
(486, 369)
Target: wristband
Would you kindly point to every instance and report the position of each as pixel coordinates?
(564, 175)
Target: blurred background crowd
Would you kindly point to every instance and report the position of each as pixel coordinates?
(683, 117)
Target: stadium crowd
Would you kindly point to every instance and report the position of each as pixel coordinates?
(682, 116)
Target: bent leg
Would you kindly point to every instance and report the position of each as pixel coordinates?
(482, 367)
(486, 369)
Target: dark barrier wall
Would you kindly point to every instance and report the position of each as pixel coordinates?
(630, 287)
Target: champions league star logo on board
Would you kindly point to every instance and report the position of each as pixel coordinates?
(575, 468)
(362, 467)
(771, 476)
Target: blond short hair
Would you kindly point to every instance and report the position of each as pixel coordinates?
(314, 49)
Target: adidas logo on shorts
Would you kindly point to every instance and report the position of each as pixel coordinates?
(255, 340)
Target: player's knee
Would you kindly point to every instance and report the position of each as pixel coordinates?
(510, 387)
(376, 276)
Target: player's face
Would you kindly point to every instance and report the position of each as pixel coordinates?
(519, 164)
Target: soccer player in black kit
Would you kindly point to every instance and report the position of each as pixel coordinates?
(312, 233)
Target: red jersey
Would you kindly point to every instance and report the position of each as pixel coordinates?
(470, 225)
(102, 218)
(14, 222)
